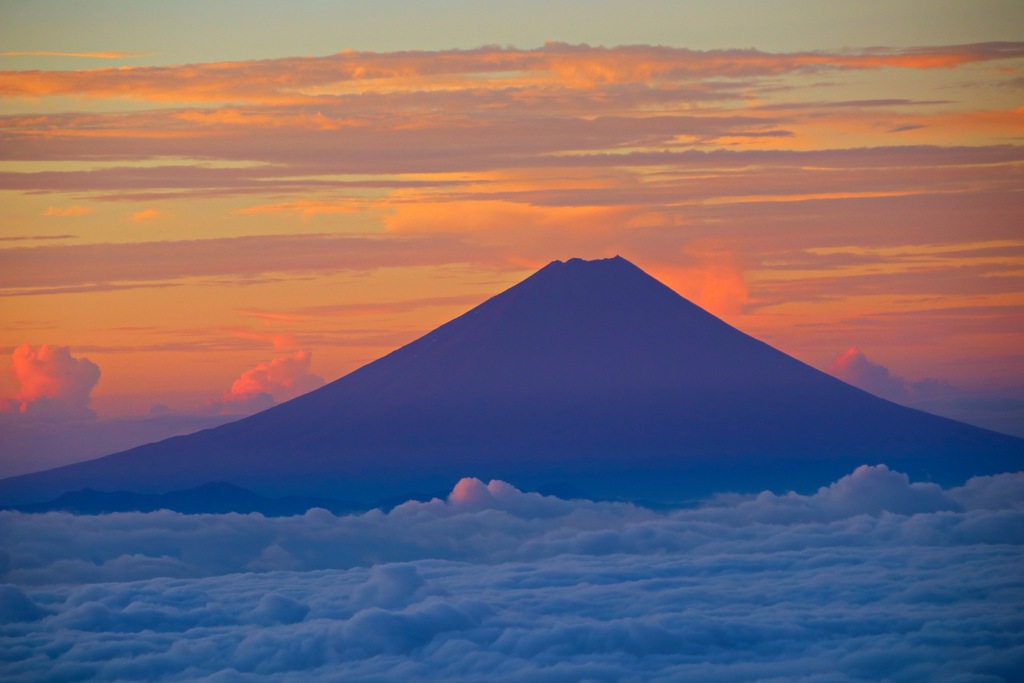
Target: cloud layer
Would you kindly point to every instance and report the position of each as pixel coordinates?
(872, 577)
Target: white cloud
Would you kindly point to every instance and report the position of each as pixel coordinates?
(872, 577)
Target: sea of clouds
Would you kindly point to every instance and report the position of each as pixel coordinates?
(872, 578)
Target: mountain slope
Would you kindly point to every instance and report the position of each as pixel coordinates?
(587, 374)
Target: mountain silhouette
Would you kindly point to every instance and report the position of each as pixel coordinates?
(589, 376)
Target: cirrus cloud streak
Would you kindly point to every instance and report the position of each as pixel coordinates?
(96, 266)
(305, 78)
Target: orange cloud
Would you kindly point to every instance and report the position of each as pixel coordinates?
(51, 383)
(68, 211)
(145, 215)
(709, 274)
(254, 118)
(279, 380)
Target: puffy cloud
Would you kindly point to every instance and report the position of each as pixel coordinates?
(853, 367)
(877, 489)
(996, 408)
(861, 580)
(275, 608)
(279, 380)
(868, 490)
(51, 383)
(15, 605)
(1001, 492)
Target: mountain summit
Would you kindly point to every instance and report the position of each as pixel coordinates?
(591, 376)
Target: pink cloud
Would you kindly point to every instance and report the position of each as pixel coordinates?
(853, 367)
(279, 380)
(51, 383)
(993, 407)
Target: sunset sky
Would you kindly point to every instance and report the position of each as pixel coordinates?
(212, 207)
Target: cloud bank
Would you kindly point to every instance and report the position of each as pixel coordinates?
(872, 577)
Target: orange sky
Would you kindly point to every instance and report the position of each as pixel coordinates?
(180, 226)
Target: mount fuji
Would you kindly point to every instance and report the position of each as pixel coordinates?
(589, 378)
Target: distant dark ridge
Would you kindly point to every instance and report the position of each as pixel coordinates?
(212, 498)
